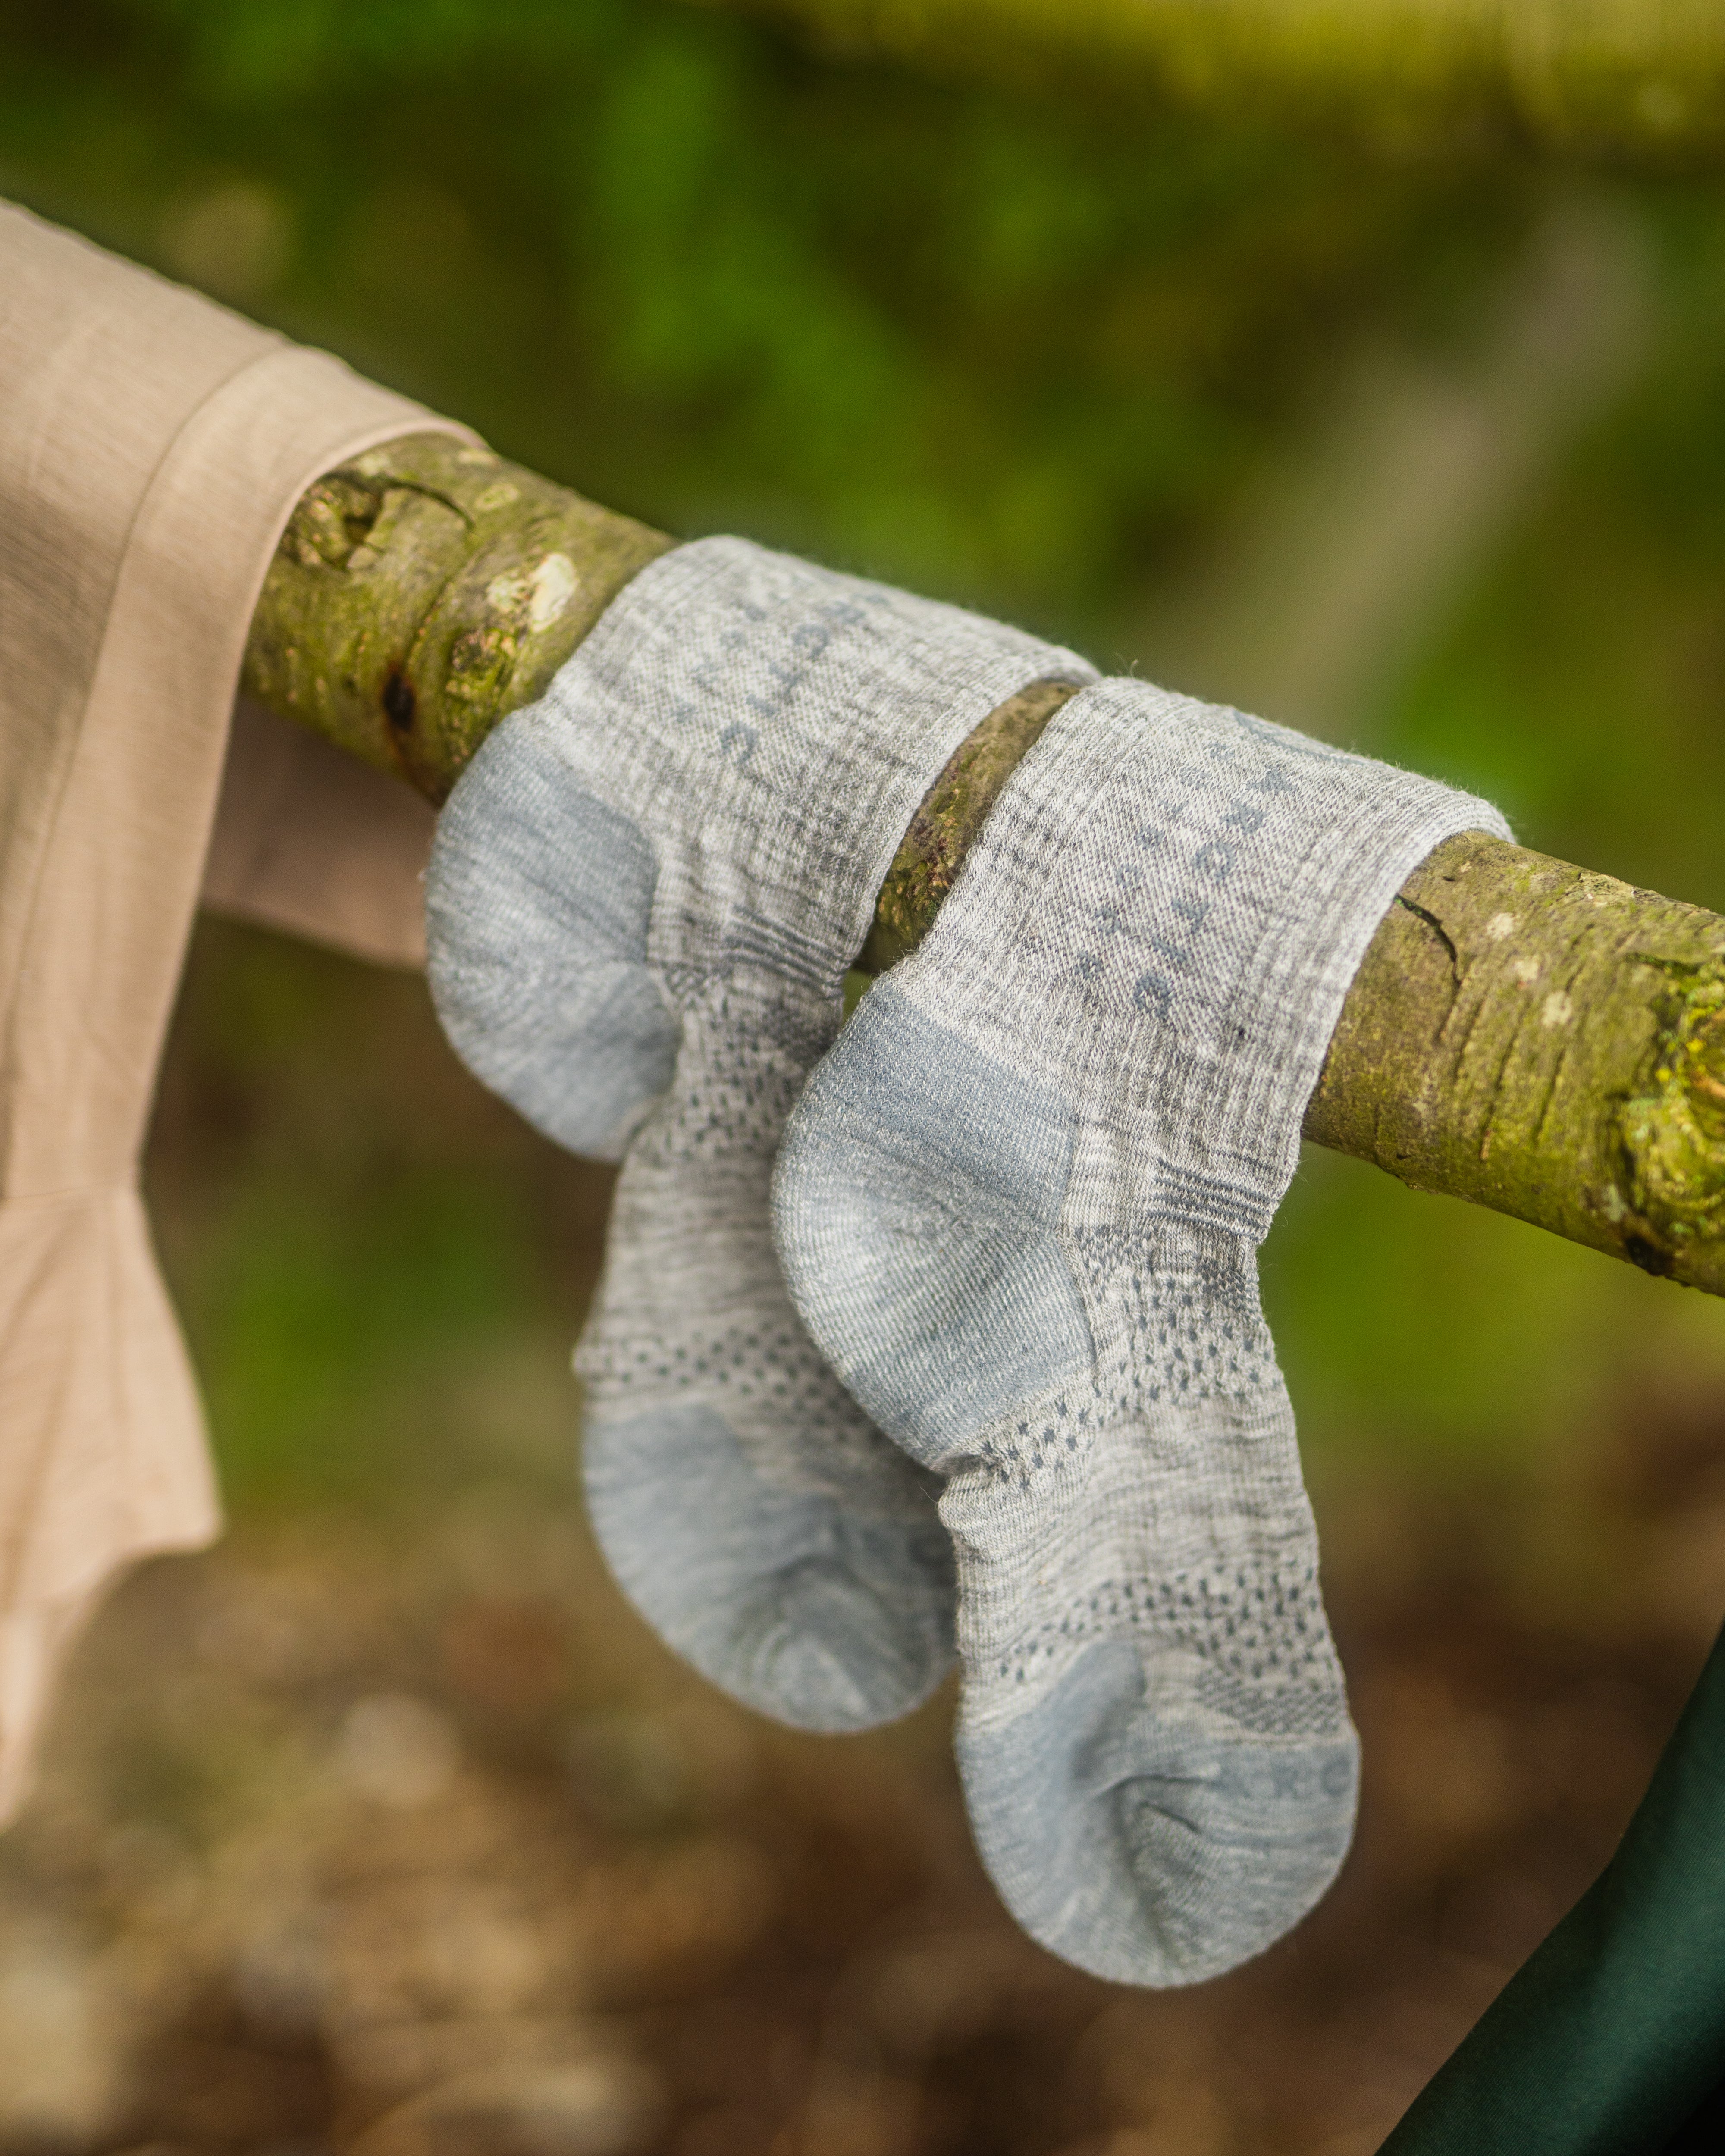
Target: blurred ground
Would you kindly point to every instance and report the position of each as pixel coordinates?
(412, 1843)
(385, 1827)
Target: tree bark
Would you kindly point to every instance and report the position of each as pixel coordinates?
(424, 590)
(1521, 1034)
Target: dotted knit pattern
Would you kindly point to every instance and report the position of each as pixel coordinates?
(1177, 1328)
(1261, 1641)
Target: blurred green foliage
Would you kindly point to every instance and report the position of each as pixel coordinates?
(994, 343)
(1033, 348)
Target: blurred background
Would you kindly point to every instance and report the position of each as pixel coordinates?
(385, 1826)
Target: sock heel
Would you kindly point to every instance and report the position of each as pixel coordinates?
(915, 1202)
(540, 896)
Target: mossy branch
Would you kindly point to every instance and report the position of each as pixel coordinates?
(1644, 77)
(424, 590)
(1548, 1042)
(1521, 1034)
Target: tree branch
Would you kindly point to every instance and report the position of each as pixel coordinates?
(424, 590)
(1521, 1034)
(1643, 76)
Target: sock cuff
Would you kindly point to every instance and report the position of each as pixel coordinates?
(1167, 908)
(773, 725)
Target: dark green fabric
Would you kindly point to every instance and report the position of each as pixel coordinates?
(1610, 2041)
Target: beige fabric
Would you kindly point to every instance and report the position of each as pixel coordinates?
(151, 446)
(309, 840)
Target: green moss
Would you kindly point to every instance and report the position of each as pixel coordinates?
(953, 811)
(423, 591)
(1673, 1131)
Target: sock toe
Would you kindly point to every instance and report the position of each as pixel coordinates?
(820, 1646)
(801, 1610)
(1149, 1851)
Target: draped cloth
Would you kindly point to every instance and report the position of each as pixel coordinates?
(152, 448)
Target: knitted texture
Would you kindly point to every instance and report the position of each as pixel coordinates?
(644, 894)
(1019, 1207)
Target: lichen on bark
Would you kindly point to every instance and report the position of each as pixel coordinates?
(424, 590)
(1673, 1133)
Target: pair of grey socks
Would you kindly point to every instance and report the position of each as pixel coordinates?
(643, 897)
(1017, 1205)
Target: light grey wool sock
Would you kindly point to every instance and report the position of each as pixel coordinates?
(643, 897)
(1019, 1207)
